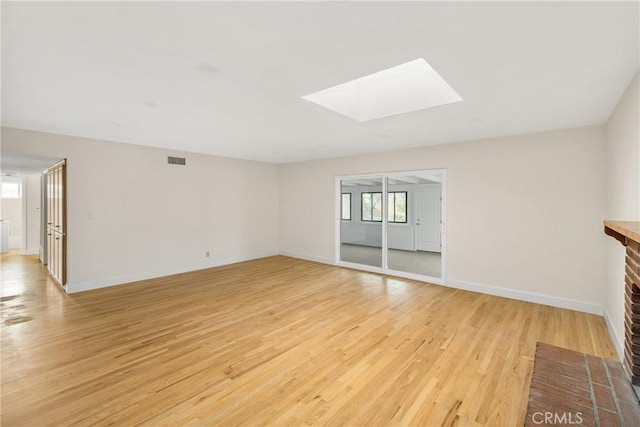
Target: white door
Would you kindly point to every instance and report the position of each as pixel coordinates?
(428, 220)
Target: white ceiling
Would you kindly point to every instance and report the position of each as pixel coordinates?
(227, 78)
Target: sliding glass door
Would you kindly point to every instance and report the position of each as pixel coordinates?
(414, 230)
(393, 223)
(361, 207)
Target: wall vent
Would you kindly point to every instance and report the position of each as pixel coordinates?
(176, 160)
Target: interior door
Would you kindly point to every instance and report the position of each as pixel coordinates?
(428, 220)
(56, 197)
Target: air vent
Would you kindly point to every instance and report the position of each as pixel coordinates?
(176, 160)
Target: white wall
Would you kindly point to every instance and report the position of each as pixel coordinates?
(622, 197)
(11, 212)
(132, 216)
(31, 194)
(524, 214)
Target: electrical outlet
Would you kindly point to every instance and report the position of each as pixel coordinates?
(206, 254)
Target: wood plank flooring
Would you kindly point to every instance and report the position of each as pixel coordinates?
(276, 341)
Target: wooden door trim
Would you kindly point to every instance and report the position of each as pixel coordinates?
(60, 182)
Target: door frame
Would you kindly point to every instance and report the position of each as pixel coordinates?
(385, 267)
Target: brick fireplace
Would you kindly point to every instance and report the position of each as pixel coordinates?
(628, 233)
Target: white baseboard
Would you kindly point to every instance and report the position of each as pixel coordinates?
(306, 257)
(73, 288)
(533, 297)
(550, 300)
(31, 252)
(457, 284)
(617, 340)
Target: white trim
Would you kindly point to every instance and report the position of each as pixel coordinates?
(72, 288)
(417, 277)
(306, 257)
(31, 252)
(443, 219)
(533, 297)
(393, 273)
(337, 223)
(526, 296)
(361, 267)
(617, 342)
(385, 224)
(364, 267)
(569, 304)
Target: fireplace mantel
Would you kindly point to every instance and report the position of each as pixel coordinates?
(628, 233)
(620, 230)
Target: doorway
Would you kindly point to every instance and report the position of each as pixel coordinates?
(428, 219)
(11, 213)
(393, 223)
(37, 196)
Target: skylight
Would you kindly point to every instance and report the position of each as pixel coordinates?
(401, 89)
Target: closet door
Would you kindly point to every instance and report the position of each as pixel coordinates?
(57, 222)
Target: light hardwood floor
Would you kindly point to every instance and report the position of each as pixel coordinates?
(276, 341)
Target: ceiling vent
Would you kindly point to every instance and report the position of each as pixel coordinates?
(176, 160)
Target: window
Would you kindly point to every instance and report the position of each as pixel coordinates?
(371, 207)
(397, 206)
(345, 207)
(11, 190)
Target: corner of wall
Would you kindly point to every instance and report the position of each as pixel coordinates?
(533, 297)
(615, 337)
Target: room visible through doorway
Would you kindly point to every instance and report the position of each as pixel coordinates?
(393, 223)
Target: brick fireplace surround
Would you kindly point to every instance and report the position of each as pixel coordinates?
(628, 233)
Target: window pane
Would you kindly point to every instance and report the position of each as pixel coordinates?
(390, 207)
(366, 206)
(346, 206)
(11, 190)
(376, 200)
(400, 207)
(397, 206)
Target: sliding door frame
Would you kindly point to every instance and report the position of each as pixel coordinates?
(385, 259)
